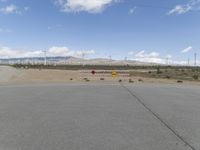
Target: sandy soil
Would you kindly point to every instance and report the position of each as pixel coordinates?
(9, 75)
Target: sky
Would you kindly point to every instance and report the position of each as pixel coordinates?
(143, 30)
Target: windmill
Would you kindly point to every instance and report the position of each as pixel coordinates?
(195, 59)
(45, 57)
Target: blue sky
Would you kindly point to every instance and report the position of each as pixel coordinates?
(146, 30)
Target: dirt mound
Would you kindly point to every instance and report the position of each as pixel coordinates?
(7, 73)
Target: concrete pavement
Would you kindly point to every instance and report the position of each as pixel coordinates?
(98, 117)
(178, 106)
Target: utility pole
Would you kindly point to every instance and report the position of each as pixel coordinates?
(83, 55)
(110, 57)
(66, 60)
(110, 60)
(195, 59)
(167, 61)
(188, 61)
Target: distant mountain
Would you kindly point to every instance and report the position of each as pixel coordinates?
(71, 61)
(33, 60)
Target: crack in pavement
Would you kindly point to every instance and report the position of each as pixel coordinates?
(158, 117)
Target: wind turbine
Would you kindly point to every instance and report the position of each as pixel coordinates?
(195, 59)
(45, 57)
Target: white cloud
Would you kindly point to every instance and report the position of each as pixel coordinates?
(6, 52)
(92, 6)
(58, 51)
(180, 9)
(2, 30)
(57, 26)
(131, 53)
(184, 8)
(26, 8)
(142, 54)
(151, 60)
(10, 9)
(186, 50)
(152, 57)
(3, 0)
(169, 56)
(64, 51)
(13, 9)
(83, 53)
(132, 10)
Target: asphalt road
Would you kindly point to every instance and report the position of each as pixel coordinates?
(99, 117)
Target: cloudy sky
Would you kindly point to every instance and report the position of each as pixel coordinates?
(145, 30)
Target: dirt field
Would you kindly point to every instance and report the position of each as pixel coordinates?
(10, 75)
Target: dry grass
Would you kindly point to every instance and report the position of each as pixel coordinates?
(162, 75)
(187, 74)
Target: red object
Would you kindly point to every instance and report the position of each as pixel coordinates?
(93, 72)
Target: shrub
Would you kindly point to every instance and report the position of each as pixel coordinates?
(179, 81)
(158, 71)
(131, 81)
(86, 79)
(195, 77)
(140, 80)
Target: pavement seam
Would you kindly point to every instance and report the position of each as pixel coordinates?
(159, 118)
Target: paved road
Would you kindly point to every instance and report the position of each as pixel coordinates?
(99, 117)
(178, 106)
